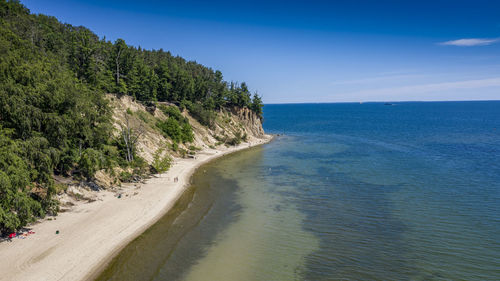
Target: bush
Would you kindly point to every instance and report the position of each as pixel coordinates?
(60, 188)
(175, 146)
(194, 148)
(146, 117)
(125, 176)
(176, 127)
(172, 111)
(110, 157)
(176, 132)
(204, 116)
(9, 221)
(187, 133)
(161, 164)
(237, 139)
(234, 141)
(171, 129)
(140, 166)
(19, 204)
(89, 163)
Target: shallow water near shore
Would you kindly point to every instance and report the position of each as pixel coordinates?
(351, 191)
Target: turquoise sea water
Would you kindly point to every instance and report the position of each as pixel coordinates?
(347, 192)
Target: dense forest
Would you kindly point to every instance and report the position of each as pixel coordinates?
(54, 117)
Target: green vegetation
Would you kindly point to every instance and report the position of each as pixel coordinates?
(18, 207)
(161, 163)
(89, 162)
(146, 117)
(238, 138)
(205, 116)
(54, 118)
(176, 126)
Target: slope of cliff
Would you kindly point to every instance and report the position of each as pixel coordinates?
(230, 127)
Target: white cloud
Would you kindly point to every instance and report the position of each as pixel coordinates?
(428, 88)
(470, 42)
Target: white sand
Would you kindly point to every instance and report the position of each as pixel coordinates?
(94, 232)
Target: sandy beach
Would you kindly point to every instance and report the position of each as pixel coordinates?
(92, 233)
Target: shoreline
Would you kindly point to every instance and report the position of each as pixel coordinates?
(92, 234)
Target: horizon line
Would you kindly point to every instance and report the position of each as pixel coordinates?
(388, 101)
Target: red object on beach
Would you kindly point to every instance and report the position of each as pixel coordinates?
(12, 235)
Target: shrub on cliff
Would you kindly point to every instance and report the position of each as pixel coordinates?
(176, 127)
(89, 163)
(18, 205)
(161, 163)
(205, 116)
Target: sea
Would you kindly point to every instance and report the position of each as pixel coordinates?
(345, 191)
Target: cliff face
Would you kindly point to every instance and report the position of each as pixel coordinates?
(229, 124)
(250, 121)
(230, 127)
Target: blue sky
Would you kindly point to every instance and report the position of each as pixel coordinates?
(316, 51)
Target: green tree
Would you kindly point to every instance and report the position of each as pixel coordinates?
(90, 163)
(161, 161)
(171, 129)
(119, 61)
(257, 105)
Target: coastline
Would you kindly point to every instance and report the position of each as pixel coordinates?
(93, 233)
